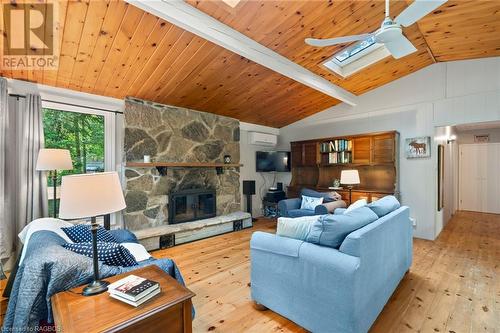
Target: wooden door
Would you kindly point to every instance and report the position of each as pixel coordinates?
(310, 154)
(297, 154)
(383, 148)
(361, 150)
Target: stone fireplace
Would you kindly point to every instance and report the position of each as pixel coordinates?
(175, 134)
(191, 205)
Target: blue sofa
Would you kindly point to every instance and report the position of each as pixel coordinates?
(324, 289)
(291, 207)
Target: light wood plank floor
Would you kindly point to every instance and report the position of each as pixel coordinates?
(453, 285)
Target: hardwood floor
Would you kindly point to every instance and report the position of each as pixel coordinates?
(453, 285)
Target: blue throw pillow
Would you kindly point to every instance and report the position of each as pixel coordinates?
(309, 203)
(384, 205)
(81, 233)
(331, 230)
(112, 254)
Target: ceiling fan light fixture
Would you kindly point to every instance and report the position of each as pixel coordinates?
(388, 33)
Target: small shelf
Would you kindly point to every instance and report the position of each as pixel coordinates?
(182, 165)
(328, 152)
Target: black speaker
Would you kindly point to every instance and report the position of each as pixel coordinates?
(248, 191)
(249, 187)
(279, 186)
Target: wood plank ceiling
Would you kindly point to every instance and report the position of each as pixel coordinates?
(114, 49)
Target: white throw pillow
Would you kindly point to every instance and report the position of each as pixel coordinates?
(356, 204)
(296, 228)
(137, 250)
(310, 203)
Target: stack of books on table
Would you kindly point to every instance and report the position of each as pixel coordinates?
(134, 290)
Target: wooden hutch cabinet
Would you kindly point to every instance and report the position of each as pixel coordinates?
(316, 163)
(304, 153)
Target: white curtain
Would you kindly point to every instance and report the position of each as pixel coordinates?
(5, 209)
(24, 190)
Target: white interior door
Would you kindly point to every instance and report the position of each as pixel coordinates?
(479, 180)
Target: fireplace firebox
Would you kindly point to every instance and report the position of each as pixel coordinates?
(191, 205)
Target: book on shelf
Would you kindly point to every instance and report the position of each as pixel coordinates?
(133, 289)
(341, 157)
(336, 146)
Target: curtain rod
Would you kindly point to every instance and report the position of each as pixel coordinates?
(70, 104)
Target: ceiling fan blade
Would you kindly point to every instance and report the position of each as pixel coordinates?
(400, 47)
(417, 10)
(337, 40)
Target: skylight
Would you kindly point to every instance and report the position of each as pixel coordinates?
(354, 49)
(356, 56)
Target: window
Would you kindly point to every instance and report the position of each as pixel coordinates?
(88, 134)
(354, 49)
(356, 57)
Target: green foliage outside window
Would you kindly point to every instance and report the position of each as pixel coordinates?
(82, 134)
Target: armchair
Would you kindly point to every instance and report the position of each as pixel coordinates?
(291, 207)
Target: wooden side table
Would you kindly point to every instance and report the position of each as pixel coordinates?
(169, 311)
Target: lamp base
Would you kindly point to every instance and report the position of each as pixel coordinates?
(95, 288)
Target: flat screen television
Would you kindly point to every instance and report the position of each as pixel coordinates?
(268, 161)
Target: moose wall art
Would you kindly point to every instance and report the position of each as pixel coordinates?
(418, 147)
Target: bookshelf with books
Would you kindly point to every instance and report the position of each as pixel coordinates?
(338, 151)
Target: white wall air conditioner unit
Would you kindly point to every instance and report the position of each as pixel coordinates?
(262, 139)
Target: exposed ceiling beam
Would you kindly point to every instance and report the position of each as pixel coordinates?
(195, 21)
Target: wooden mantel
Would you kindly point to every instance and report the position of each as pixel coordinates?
(162, 166)
(182, 165)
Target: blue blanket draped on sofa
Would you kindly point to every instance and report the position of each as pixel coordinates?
(49, 268)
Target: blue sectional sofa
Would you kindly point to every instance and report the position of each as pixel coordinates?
(324, 289)
(291, 207)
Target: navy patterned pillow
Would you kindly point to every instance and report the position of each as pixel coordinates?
(81, 233)
(112, 254)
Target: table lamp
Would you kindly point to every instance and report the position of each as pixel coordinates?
(91, 195)
(349, 178)
(52, 160)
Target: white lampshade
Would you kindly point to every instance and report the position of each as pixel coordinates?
(54, 159)
(90, 195)
(349, 177)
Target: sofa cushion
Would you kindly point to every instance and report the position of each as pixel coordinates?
(310, 203)
(327, 196)
(112, 254)
(81, 233)
(384, 205)
(331, 230)
(296, 228)
(356, 204)
(300, 212)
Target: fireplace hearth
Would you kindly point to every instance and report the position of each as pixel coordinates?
(191, 205)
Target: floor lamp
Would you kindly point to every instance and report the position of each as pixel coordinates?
(349, 178)
(52, 160)
(91, 195)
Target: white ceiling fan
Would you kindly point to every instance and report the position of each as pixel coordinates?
(390, 33)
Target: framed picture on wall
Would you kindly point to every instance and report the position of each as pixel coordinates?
(440, 177)
(419, 147)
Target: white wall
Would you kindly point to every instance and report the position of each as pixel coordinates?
(468, 136)
(439, 95)
(263, 180)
